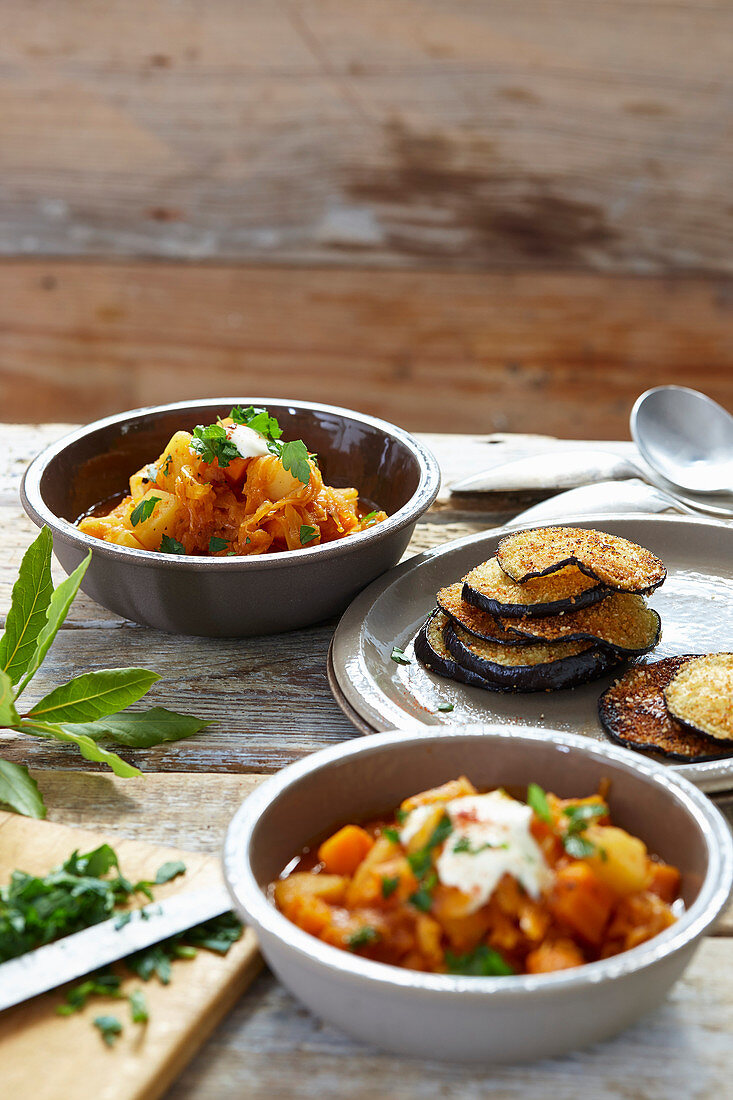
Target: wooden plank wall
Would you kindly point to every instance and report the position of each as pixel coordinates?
(461, 214)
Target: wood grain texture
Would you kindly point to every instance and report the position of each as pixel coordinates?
(558, 353)
(681, 1050)
(398, 132)
(146, 1059)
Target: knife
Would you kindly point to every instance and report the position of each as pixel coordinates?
(82, 952)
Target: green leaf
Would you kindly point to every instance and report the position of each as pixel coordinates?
(482, 962)
(537, 801)
(368, 519)
(143, 510)
(32, 593)
(8, 714)
(212, 444)
(58, 608)
(445, 708)
(363, 937)
(389, 885)
(94, 695)
(19, 792)
(110, 1027)
(171, 546)
(391, 834)
(143, 728)
(578, 847)
(216, 544)
(307, 534)
(138, 1007)
(259, 420)
(88, 748)
(294, 457)
(398, 656)
(170, 870)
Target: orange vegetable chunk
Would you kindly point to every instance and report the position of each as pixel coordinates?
(581, 901)
(342, 853)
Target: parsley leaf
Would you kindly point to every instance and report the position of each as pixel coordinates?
(170, 870)
(294, 457)
(212, 444)
(389, 885)
(446, 708)
(307, 534)
(216, 544)
(167, 466)
(138, 1007)
(577, 846)
(463, 844)
(369, 518)
(143, 510)
(391, 835)
(110, 1027)
(398, 656)
(537, 801)
(171, 546)
(422, 899)
(259, 420)
(482, 962)
(363, 937)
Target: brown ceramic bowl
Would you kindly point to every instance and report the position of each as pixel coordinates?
(220, 597)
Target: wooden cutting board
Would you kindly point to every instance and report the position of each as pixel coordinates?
(52, 1057)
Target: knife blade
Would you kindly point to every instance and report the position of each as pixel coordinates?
(82, 952)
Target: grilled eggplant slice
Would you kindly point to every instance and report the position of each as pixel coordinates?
(490, 589)
(634, 714)
(542, 667)
(622, 623)
(700, 696)
(610, 560)
(431, 650)
(475, 621)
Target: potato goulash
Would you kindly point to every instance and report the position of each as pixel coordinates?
(231, 488)
(461, 882)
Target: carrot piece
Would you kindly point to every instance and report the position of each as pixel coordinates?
(664, 881)
(581, 901)
(342, 853)
(554, 955)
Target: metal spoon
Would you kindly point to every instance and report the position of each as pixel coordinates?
(686, 438)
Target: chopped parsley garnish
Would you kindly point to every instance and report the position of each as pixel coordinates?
(482, 962)
(167, 465)
(171, 546)
(369, 518)
(307, 534)
(537, 801)
(401, 816)
(391, 835)
(441, 831)
(170, 870)
(463, 844)
(577, 846)
(446, 708)
(398, 656)
(212, 444)
(422, 899)
(110, 1027)
(294, 457)
(259, 420)
(216, 545)
(579, 817)
(363, 937)
(389, 885)
(103, 984)
(138, 1007)
(143, 510)
(420, 862)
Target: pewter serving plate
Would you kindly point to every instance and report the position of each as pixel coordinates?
(695, 604)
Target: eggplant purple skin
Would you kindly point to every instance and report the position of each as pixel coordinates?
(553, 676)
(534, 611)
(451, 670)
(606, 719)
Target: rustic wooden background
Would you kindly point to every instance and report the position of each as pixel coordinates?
(477, 215)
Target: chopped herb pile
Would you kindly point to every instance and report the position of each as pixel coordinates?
(87, 710)
(85, 890)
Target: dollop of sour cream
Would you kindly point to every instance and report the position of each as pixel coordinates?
(491, 837)
(249, 443)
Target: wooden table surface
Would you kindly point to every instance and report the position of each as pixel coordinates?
(270, 1047)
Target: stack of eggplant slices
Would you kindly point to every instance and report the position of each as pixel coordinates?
(556, 607)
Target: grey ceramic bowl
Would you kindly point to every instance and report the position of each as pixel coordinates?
(459, 1018)
(231, 596)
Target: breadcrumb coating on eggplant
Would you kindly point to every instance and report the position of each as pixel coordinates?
(622, 621)
(488, 587)
(611, 560)
(700, 696)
